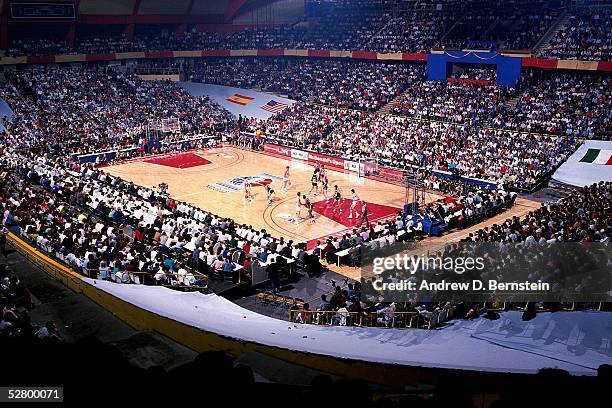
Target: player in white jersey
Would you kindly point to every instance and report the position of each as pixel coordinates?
(354, 202)
(298, 207)
(286, 181)
(322, 179)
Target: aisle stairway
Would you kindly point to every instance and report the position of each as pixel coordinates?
(511, 104)
(561, 22)
(381, 30)
(385, 110)
(437, 45)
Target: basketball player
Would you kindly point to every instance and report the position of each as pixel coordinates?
(324, 185)
(322, 177)
(248, 195)
(270, 192)
(314, 181)
(354, 202)
(309, 207)
(298, 207)
(337, 200)
(286, 181)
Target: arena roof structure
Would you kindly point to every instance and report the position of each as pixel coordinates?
(142, 141)
(214, 15)
(117, 10)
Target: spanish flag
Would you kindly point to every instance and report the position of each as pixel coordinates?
(240, 99)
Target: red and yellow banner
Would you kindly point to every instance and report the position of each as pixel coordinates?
(240, 99)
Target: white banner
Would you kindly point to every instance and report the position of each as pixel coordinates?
(578, 171)
(299, 154)
(351, 166)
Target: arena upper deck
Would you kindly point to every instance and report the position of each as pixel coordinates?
(251, 152)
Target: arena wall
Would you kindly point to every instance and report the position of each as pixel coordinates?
(396, 357)
(161, 77)
(525, 62)
(201, 341)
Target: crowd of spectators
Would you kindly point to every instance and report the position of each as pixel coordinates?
(415, 31)
(586, 36)
(370, 26)
(549, 102)
(347, 306)
(474, 73)
(91, 108)
(94, 108)
(111, 229)
(564, 103)
(582, 216)
(459, 102)
(559, 102)
(513, 25)
(15, 305)
(345, 84)
(498, 156)
(37, 47)
(474, 205)
(520, 30)
(355, 25)
(344, 27)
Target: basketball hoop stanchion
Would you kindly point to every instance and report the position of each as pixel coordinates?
(157, 130)
(414, 192)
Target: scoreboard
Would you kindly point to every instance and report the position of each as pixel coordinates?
(42, 11)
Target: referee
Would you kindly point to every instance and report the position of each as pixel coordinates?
(364, 214)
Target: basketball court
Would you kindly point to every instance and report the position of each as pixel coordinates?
(213, 179)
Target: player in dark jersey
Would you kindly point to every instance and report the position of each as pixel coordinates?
(314, 181)
(324, 185)
(337, 200)
(270, 192)
(309, 207)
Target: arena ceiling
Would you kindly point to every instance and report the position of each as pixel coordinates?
(227, 8)
(218, 10)
(147, 7)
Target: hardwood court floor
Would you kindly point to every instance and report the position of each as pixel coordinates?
(228, 164)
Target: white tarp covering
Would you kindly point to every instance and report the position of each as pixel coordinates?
(580, 174)
(574, 341)
(5, 110)
(220, 94)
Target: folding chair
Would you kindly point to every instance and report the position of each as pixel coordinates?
(289, 301)
(268, 297)
(259, 296)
